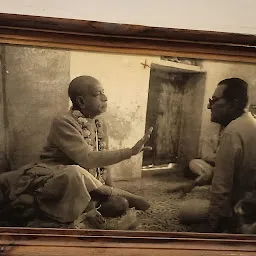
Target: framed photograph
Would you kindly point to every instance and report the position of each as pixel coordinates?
(125, 140)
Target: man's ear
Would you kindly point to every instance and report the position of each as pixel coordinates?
(80, 102)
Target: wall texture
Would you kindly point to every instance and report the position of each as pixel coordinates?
(3, 162)
(189, 145)
(215, 72)
(197, 130)
(164, 113)
(36, 84)
(126, 84)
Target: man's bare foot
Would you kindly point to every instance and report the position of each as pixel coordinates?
(137, 202)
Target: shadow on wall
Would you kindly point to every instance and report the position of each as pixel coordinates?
(34, 84)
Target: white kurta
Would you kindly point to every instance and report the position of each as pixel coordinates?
(62, 181)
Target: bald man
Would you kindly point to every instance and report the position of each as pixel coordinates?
(72, 172)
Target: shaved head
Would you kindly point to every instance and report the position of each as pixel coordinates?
(87, 95)
(81, 86)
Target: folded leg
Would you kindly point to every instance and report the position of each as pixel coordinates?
(104, 192)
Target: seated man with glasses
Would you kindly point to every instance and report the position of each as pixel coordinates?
(235, 166)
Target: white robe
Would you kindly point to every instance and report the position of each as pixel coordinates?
(62, 181)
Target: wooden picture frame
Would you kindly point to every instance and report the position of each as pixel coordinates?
(126, 39)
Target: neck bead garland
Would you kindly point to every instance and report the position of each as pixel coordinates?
(92, 130)
(88, 129)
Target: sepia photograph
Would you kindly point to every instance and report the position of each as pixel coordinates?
(117, 141)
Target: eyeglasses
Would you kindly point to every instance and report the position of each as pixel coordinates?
(213, 100)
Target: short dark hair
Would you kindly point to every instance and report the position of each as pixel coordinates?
(236, 89)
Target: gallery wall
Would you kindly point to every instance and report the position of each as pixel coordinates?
(213, 15)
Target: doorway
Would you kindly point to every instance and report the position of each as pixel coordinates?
(164, 113)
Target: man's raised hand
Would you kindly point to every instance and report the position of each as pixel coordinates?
(139, 146)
